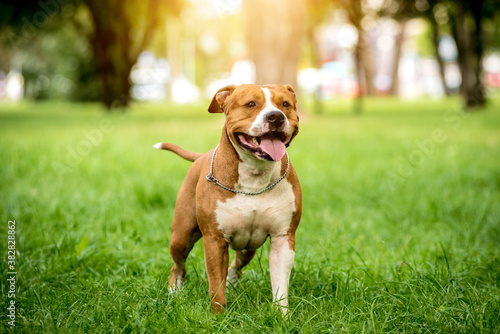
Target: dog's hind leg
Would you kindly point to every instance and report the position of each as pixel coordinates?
(185, 233)
(180, 246)
(241, 259)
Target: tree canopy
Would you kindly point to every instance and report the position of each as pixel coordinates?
(86, 49)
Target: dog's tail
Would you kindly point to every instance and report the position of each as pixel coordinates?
(188, 155)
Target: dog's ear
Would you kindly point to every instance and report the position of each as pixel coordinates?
(219, 99)
(290, 89)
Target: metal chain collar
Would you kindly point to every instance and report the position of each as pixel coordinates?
(211, 178)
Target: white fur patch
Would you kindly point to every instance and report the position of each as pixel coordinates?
(281, 259)
(246, 221)
(232, 277)
(256, 129)
(158, 146)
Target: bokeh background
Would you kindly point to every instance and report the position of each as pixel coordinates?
(184, 50)
(397, 155)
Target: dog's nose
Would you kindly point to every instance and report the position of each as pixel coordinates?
(276, 118)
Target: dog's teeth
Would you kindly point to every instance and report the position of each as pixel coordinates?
(254, 139)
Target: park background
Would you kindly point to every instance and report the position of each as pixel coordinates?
(397, 155)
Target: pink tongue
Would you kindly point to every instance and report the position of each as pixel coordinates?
(273, 147)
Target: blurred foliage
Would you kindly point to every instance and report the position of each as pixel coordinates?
(118, 42)
(491, 27)
(425, 46)
(55, 43)
(48, 43)
(62, 48)
(472, 23)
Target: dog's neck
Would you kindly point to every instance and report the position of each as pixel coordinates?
(243, 170)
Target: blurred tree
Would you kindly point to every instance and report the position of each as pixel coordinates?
(364, 62)
(398, 47)
(466, 23)
(274, 31)
(123, 29)
(365, 72)
(47, 35)
(465, 19)
(430, 15)
(401, 12)
(355, 11)
(35, 35)
(317, 11)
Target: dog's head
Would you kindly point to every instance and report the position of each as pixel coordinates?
(261, 120)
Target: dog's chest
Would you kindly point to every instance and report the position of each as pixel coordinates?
(246, 221)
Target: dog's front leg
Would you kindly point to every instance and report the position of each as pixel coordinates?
(216, 262)
(281, 258)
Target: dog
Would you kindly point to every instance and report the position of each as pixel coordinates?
(242, 192)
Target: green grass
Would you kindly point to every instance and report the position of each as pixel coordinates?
(400, 230)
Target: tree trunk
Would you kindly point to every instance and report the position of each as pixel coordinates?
(111, 44)
(358, 101)
(274, 30)
(478, 97)
(397, 55)
(365, 55)
(439, 59)
(469, 57)
(114, 52)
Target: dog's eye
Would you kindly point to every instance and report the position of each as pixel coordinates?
(250, 104)
(286, 104)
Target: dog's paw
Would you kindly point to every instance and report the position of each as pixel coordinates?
(232, 277)
(175, 286)
(173, 290)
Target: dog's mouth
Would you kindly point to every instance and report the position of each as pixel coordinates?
(270, 146)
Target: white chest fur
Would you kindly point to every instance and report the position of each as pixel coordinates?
(245, 220)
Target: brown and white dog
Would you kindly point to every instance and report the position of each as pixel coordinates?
(242, 192)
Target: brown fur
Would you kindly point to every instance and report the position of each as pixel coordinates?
(185, 154)
(197, 199)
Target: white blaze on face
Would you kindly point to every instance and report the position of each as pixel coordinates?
(258, 126)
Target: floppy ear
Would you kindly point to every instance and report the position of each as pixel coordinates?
(219, 99)
(290, 89)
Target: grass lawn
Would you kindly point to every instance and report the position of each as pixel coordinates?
(400, 229)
